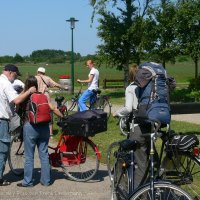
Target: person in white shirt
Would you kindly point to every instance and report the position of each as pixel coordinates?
(8, 96)
(18, 85)
(93, 80)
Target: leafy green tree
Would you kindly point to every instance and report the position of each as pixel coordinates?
(122, 30)
(18, 59)
(165, 48)
(188, 29)
(6, 59)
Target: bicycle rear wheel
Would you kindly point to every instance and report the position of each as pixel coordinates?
(83, 163)
(184, 171)
(103, 103)
(162, 191)
(16, 155)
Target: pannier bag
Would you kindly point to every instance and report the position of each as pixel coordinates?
(39, 110)
(183, 142)
(86, 123)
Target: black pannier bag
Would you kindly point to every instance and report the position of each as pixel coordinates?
(183, 142)
(86, 123)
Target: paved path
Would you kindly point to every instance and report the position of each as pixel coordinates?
(192, 118)
(62, 188)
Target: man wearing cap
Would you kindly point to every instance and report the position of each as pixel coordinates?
(8, 96)
(45, 82)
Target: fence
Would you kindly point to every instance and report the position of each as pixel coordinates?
(116, 83)
(119, 83)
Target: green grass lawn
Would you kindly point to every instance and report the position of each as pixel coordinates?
(182, 71)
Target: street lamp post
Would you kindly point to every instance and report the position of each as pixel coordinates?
(72, 21)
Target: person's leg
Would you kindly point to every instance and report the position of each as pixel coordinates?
(4, 147)
(83, 99)
(30, 137)
(140, 154)
(43, 154)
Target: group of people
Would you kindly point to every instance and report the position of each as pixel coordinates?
(13, 92)
(39, 134)
(33, 134)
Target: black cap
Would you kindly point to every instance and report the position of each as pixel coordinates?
(12, 68)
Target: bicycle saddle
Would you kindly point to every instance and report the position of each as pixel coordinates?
(128, 145)
(98, 91)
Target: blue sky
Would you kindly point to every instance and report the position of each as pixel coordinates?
(29, 25)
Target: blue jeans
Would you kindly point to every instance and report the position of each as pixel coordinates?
(87, 95)
(36, 135)
(4, 145)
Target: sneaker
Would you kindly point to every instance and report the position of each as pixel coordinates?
(4, 182)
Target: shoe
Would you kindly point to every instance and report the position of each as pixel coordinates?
(47, 185)
(21, 185)
(4, 182)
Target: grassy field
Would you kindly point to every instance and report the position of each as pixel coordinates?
(182, 71)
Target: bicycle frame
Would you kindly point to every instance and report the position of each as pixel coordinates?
(66, 151)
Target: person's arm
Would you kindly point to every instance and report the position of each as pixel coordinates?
(22, 96)
(55, 110)
(88, 80)
(131, 102)
(54, 84)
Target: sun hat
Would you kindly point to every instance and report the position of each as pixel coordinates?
(41, 69)
(12, 68)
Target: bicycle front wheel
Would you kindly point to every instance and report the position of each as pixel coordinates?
(112, 158)
(162, 191)
(16, 155)
(83, 163)
(124, 126)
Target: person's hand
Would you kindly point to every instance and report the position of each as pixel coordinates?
(78, 80)
(65, 87)
(32, 89)
(114, 114)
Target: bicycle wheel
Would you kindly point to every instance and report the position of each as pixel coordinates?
(124, 126)
(16, 155)
(83, 163)
(162, 191)
(111, 158)
(104, 104)
(71, 106)
(184, 171)
(120, 183)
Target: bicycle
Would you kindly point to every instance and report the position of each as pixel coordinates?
(125, 123)
(79, 157)
(100, 102)
(121, 171)
(181, 166)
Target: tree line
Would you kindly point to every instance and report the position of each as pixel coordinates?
(46, 55)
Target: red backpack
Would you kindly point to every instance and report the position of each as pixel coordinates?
(39, 110)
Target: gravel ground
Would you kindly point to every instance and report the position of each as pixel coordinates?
(62, 188)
